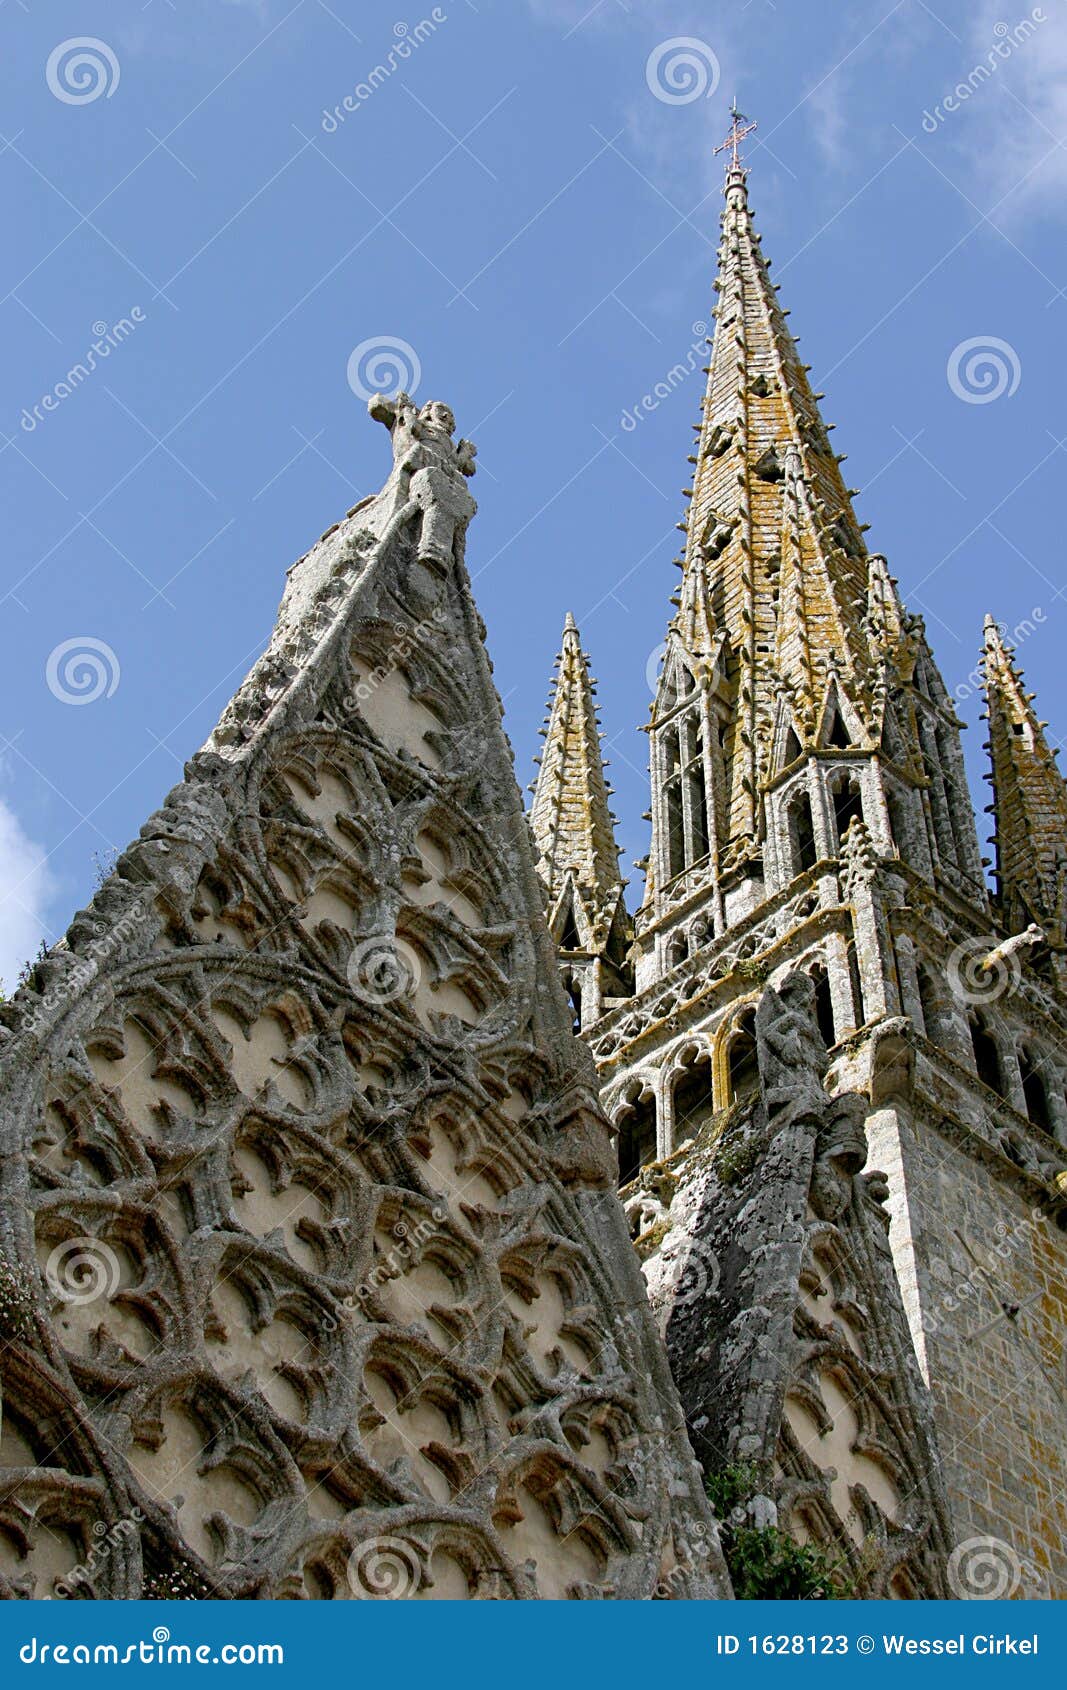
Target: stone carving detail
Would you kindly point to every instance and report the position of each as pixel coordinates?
(314, 1280)
(774, 1284)
(428, 468)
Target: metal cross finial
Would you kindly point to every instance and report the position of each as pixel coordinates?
(739, 128)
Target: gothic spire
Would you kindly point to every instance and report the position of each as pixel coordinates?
(771, 524)
(572, 822)
(1029, 796)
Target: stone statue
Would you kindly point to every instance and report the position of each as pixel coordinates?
(789, 1050)
(840, 1154)
(428, 473)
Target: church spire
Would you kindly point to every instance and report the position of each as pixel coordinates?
(771, 520)
(795, 689)
(1029, 797)
(572, 823)
(574, 836)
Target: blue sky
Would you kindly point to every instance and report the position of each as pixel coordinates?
(516, 203)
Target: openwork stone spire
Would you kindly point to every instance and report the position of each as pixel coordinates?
(337, 1298)
(573, 829)
(1029, 797)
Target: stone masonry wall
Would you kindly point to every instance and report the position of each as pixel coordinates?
(988, 1294)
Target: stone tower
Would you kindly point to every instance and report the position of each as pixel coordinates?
(824, 983)
(313, 1278)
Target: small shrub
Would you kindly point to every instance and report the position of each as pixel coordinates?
(764, 1562)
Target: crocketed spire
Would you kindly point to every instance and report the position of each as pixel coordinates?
(1029, 796)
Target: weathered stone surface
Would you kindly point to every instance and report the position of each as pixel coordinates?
(810, 814)
(775, 1288)
(315, 1282)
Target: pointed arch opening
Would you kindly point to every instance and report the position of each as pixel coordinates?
(838, 734)
(986, 1055)
(824, 1006)
(672, 793)
(1031, 1072)
(802, 834)
(897, 827)
(741, 1058)
(636, 1127)
(848, 804)
(570, 939)
(573, 984)
(855, 980)
(693, 1097)
(929, 1003)
(677, 950)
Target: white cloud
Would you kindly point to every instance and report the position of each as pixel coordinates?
(25, 886)
(1020, 111)
(830, 119)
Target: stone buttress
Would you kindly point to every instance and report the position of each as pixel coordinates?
(314, 1278)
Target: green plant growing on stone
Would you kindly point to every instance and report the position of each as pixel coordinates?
(753, 970)
(104, 866)
(736, 1160)
(765, 1563)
